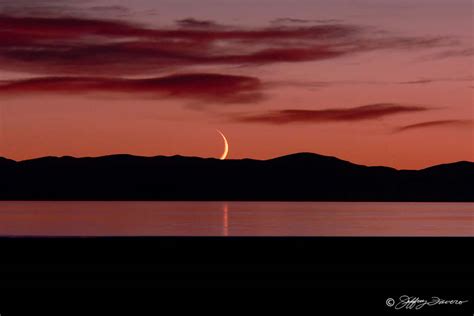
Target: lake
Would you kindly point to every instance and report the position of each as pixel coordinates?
(19, 218)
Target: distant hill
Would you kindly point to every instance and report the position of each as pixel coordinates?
(296, 177)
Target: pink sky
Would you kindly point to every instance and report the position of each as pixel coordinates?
(372, 82)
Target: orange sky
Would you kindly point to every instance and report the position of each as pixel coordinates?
(372, 82)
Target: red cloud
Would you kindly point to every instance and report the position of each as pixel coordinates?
(39, 28)
(194, 23)
(198, 86)
(77, 46)
(366, 112)
(434, 123)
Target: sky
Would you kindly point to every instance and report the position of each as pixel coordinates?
(374, 82)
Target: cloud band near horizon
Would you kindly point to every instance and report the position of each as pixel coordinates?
(360, 113)
(430, 124)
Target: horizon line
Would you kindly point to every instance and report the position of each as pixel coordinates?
(235, 159)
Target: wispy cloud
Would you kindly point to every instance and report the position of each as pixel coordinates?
(84, 46)
(462, 52)
(205, 87)
(195, 23)
(360, 113)
(430, 124)
(321, 84)
(284, 21)
(54, 8)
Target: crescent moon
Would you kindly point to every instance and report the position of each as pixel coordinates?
(226, 146)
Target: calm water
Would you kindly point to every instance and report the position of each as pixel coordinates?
(235, 219)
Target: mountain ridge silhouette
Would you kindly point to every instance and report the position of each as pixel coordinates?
(294, 177)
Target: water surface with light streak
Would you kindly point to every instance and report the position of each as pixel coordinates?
(20, 218)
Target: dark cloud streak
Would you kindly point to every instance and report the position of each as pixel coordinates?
(86, 46)
(203, 87)
(430, 124)
(360, 113)
(195, 23)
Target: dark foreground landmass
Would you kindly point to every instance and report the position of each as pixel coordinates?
(407, 264)
(302, 176)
